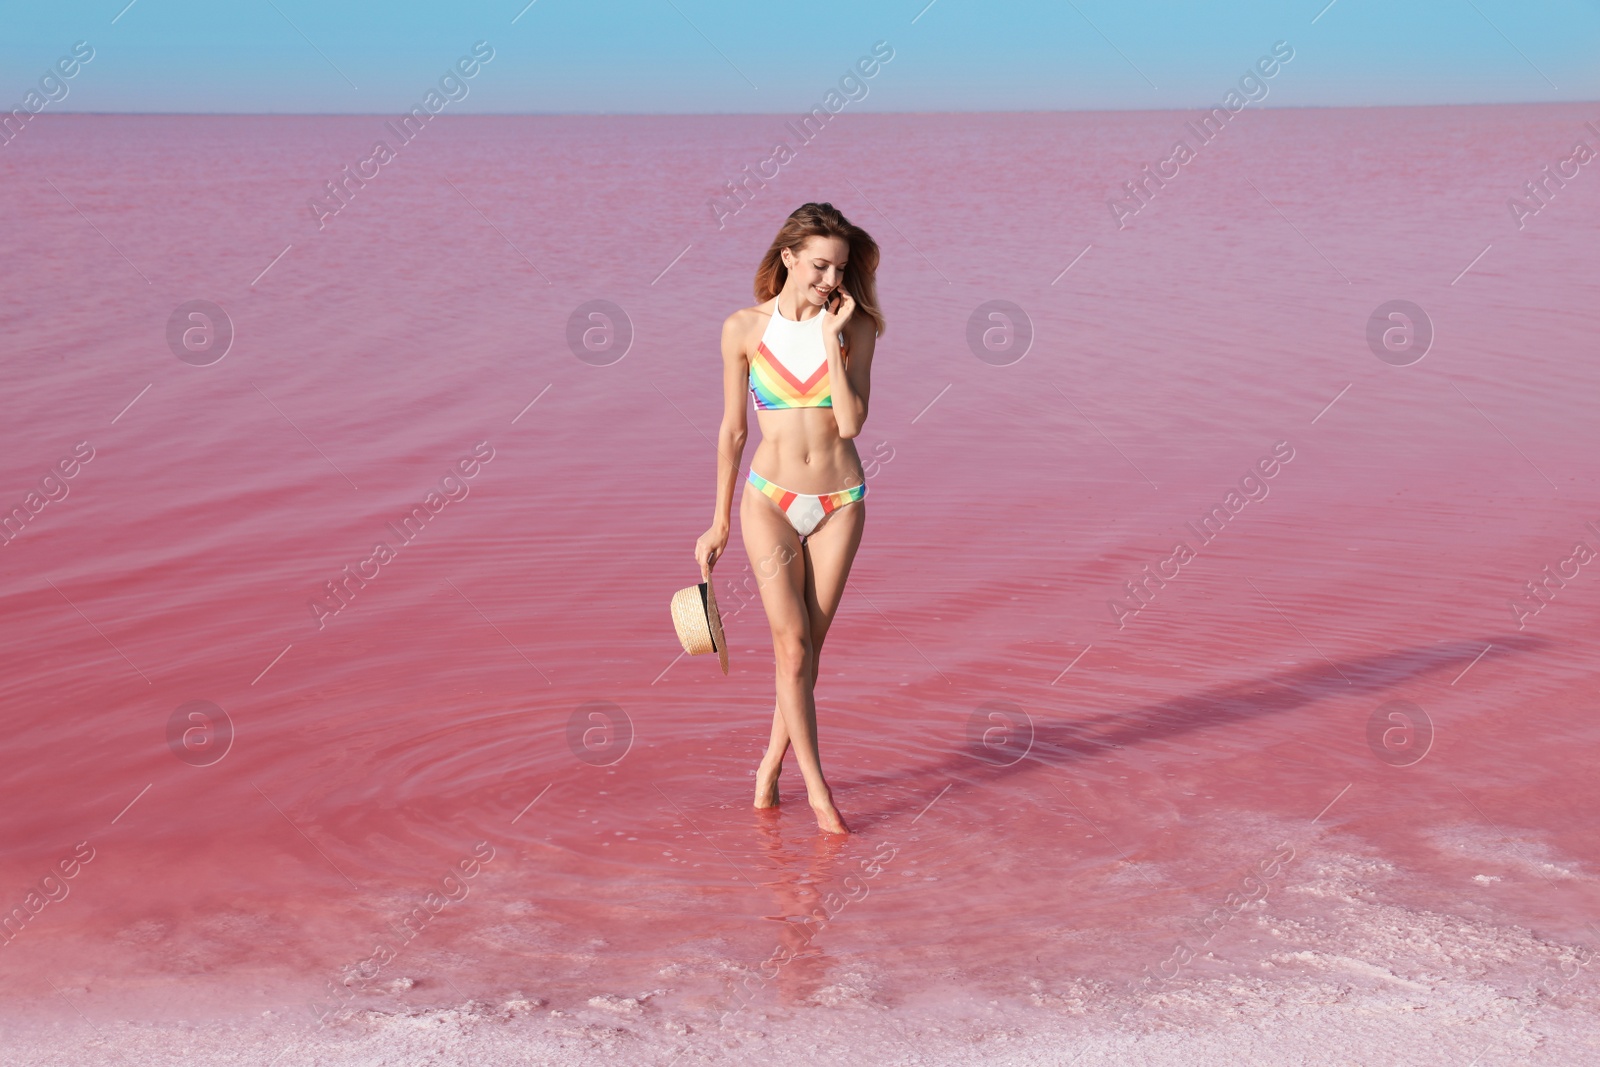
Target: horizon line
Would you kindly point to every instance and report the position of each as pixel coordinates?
(787, 114)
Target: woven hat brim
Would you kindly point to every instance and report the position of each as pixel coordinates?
(714, 616)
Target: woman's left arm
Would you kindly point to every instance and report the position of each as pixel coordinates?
(850, 372)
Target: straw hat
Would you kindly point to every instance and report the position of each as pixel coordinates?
(698, 622)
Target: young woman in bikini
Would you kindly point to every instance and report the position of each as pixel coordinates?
(804, 352)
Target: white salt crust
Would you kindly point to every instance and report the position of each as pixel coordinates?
(1362, 982)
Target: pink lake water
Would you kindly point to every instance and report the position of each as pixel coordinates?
(1188, 833)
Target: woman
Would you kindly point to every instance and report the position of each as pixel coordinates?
(804, 351)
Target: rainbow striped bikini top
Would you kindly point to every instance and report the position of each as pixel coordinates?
(790, 367)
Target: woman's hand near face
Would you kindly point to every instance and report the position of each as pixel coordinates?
(834, 321)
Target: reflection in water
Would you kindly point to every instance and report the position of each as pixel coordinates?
(799, 874)
(812, 882)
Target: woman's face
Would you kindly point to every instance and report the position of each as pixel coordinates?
(819, 268)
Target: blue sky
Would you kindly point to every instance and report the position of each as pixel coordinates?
(656, 56)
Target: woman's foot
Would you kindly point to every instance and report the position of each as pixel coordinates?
(828, 819)
(767, 784)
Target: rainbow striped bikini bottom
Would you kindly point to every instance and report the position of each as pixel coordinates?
(803, 511)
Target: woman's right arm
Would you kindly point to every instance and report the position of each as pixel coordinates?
(730, 437)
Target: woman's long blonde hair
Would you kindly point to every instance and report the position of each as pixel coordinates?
(824, 220)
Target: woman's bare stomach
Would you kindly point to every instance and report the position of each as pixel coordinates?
(801, 450)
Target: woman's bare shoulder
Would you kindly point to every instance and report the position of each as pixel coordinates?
(746, 321)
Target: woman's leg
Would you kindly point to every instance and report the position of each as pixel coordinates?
(801, 593)
(828, 552)
(778, 743)
(828, 560)
(775, 551)
(769, 542)
(771, 765)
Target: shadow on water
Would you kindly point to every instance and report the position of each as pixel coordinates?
(805, 876)
(1058, 743)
